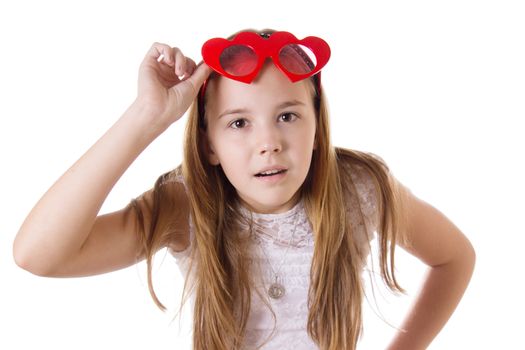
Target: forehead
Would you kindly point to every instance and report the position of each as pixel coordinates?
(270, 88)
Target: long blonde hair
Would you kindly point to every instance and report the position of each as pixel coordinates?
(222, 285)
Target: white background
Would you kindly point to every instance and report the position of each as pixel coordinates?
(435, 88)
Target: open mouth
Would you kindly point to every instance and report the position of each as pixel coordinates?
(270, 173)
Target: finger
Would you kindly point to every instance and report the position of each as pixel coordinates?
(189, 88)
(200, 74)
(189, 68)
(161, 53)
(180, 62)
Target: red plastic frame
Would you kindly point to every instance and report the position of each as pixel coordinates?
(264, 48)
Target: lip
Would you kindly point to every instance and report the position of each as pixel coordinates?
(271, 167)
(272, 179)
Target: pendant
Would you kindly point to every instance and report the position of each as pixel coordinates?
(276, 290)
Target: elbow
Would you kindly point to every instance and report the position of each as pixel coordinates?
(469, 253)
(462, 259)
(467, 262)
(25, 263)
(472, 255)
(29, 260)
(466, 259)
(32, 267)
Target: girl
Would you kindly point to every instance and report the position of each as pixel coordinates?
(270, 223)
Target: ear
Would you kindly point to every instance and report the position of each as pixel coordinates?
(213, 159)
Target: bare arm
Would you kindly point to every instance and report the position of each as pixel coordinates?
(437, 242)
(60, 223)
(62, 235)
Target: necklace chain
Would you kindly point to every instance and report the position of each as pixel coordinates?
(276, 289)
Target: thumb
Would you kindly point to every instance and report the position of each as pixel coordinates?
(199, 75)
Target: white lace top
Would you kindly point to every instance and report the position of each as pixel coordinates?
(283, 244)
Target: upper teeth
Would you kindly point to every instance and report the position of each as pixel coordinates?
(269, 172)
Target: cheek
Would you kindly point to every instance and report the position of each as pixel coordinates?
(231, 156)
(310, 144)
(305, 145)
(307, 137)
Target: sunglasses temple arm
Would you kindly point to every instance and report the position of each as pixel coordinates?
(319, 83)
(200, 97)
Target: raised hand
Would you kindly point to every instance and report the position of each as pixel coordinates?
(168, 83)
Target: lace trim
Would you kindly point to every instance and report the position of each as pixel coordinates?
(290, 228)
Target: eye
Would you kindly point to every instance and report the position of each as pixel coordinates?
(287, 117)
(238, 124)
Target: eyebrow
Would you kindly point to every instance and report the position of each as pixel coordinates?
(285, 104)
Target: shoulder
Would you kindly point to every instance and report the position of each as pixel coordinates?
(171, 178)
(170, 189)
(360, 174)
(169, 209)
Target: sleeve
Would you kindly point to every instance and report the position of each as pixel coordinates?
(362, 209)
(182, 256)
(367, 196)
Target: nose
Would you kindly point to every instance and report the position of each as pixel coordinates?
(270, 141)
(270, 148)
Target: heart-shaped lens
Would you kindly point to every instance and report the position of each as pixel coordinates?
(238, 60)
(297, 59)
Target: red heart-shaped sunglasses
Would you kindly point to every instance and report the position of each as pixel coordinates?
(242, 57)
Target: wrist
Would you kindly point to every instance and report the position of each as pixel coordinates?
(147, 118)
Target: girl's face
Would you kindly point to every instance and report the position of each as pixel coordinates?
(263, 135)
